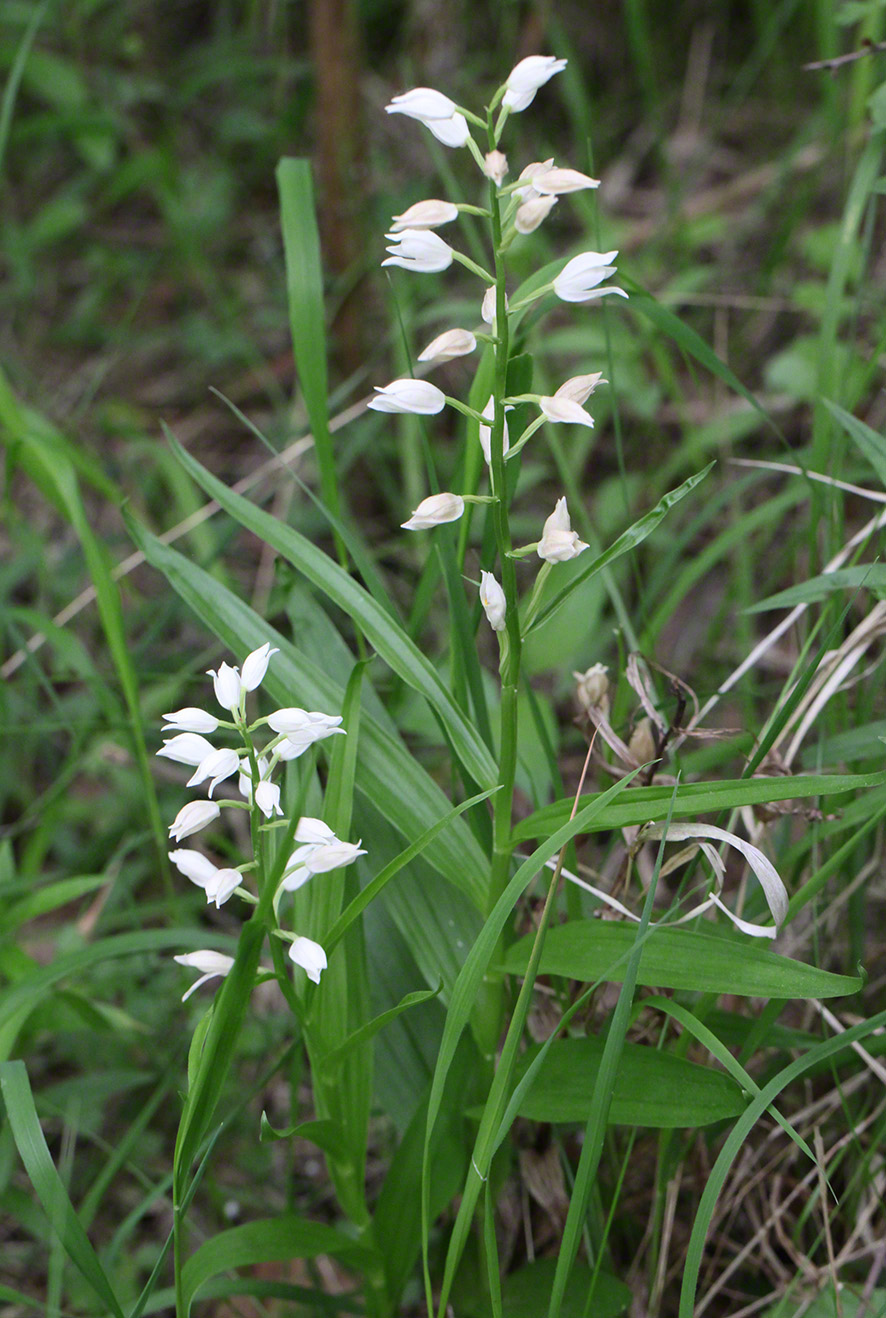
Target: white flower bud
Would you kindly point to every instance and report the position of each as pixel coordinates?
(492, 597)
(218, 766)
(486, 432)
(212, 965)
(579, 278)
(255, 666)
(267, 798)
(313, 831)
(559, 543)
(556, 182)
(192, 818)
(452, 343)
(580, 387)
(495, 166)
(434, 511)
(564, 409)
(418, 250)
(526, 77)
(310, 956)
(436, 111)
(226, 683)
(425, 215)
(194, 866)
(416, 396)
(528, 174)
(223, 886)
(190, 720)
(186, 748)
(487, 306)
(531, 213)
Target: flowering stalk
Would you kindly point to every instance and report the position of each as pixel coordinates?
(488, 1017)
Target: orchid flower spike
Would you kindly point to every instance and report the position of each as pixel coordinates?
(526, 77)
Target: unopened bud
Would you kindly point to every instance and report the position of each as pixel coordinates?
(532, 213)
(495, 166)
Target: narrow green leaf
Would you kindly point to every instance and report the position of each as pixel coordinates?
(332, 1061)
(650, 804)
(327, 1135)
(48, 1185)
(867, 576)
(871, 445)
(628, 540)
(307, 321)
(679, 958)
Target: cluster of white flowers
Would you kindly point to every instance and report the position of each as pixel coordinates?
(319, 850)
(413, 245)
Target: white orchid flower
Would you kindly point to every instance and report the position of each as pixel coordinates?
(434, 511)
(525, 78)
(419, 397)
(559, 543)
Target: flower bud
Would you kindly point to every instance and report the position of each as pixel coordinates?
(528, 174)
(487, 306)
(416, 396)
(434, 511)
(531, 213)
(526, 77)
(192, 818)
(452, 343)
(580, 387)
(212, 965)
(425, 215)
(556, 182)
(218, 766)
(559, 543)
(418, 250)
(486, 432)
(267, 798)
(255, 666)
(495, 166)
(186, 748)
(492, 597)
(564, 409)
(592, 688)
(190, 720)
(310, 956)
(194, 866)
(226, 684)
(579, 278)
(436, 111)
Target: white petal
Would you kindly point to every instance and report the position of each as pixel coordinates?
(190, 720)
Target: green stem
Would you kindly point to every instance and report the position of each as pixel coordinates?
(489, 1007)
